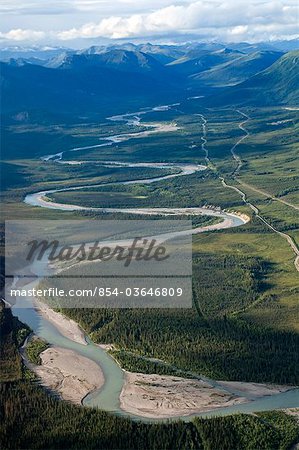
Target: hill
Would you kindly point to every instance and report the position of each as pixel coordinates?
(278, 84)
(237, 70)
(198, 60)
(78, 85)
(118, 59)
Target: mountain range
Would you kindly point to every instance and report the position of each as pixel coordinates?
(91, 79)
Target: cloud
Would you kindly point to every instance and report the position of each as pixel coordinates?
(194, 17)
(23, 35)
(220, 19)
(239, 30)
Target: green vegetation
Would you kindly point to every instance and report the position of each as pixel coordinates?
(225, 335)
(223, 348)
(268, 87)
(12, 335)
(270, 163)
(194, 190)
(31, 418)
(285, 425)
(237, 70)
(243, 325)
(135, 363)
(45, 423)
(245, 282)
(227, 284)
(34, 348)
(265, 431)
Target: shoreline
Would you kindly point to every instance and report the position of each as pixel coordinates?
(68, 374)
(164, 396)
(149, 396)
(66, 326)
(255, 390)
(64, 372)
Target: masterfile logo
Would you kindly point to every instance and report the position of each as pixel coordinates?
(140, 249)
(101, 263)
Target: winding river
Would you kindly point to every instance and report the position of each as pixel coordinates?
(107, 398)
(181, 169)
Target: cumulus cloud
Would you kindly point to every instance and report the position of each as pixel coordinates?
(23, 35)
(222, 19)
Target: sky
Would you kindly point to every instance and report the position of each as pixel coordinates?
(75, 22)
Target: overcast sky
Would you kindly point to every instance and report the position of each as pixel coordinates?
(69, 22)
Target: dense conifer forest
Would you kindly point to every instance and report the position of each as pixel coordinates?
(213, 338)
(32, 418)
